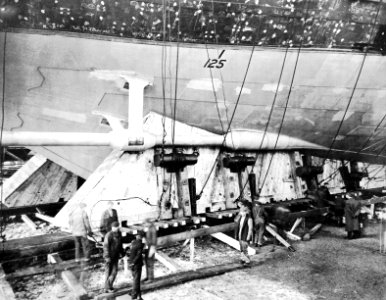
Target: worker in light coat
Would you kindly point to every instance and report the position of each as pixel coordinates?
(259, 220)
(80, 227)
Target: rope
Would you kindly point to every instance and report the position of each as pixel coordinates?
(231, 119)
(355, 85)
(2, 220)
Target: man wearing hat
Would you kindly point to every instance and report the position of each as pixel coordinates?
(108, 217)
(80, 227)
(351, 212)
(112, 251)
(136, 263)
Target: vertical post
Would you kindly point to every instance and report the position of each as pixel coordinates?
(191, 249)
(252, 184)
(192, 195)
(180, 194)
(241, 188)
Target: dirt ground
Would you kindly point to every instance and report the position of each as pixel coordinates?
(326, 267)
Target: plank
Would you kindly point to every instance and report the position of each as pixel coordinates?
(279, 238)
(69, 278)
(167, 262)
(45, 218)
(6, 291)
(231, 242)
(29, 222)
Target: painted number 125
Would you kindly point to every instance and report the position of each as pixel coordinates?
(215, 63)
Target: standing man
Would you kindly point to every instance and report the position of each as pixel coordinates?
(80, 227)
(244, 230)
(136, 263)
(108, 217)
(112, 251)
(259, 218)
(351, 212)
(151, 243)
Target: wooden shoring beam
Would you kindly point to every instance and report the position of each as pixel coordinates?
(6, 291)
(173, 238)
(279, 238)
(315, 229)
(45, 218)
(167, 262)
(29, 222)
(231, 241)
(178, 278)
(69, 278)
(296, 224)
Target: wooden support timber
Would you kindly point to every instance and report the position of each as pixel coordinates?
(315, 229)
(231, 241)
(279, 238)
(6, 291)
(29, 222)
(173, 238)
(167, 262)
(45, 218)
(177, 278)
(69, 278)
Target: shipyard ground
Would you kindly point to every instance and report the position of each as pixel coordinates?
(326, 267)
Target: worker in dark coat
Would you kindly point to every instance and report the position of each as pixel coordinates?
(351, 211)
(112, 251)
(108, 217)
(244, 229)
(136, 263)
(259, 220)
(80, 228)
